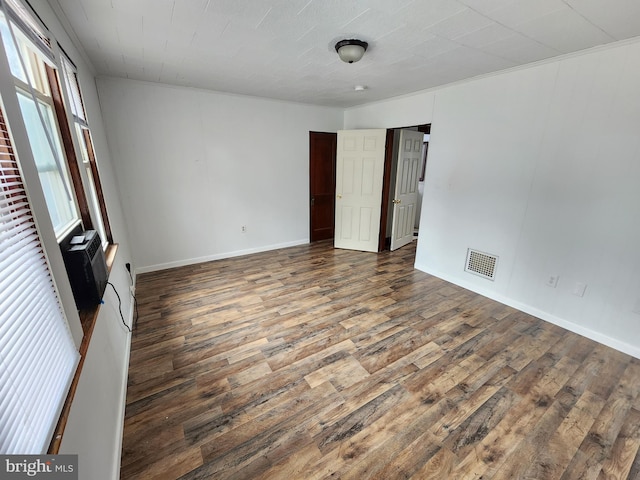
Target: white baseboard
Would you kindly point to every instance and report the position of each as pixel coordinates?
(219, 256)
(117, 454)
(546, 316)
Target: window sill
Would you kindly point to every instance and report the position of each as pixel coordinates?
(88, 319)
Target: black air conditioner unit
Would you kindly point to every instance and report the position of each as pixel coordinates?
(86, 267)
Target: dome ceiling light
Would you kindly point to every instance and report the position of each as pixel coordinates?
(351, 51)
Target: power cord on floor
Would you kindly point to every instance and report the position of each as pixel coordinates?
(119, 306)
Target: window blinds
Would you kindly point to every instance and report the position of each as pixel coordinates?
(73, 89)
(30, 27)
(37, 354)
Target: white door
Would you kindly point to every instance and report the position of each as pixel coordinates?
(359, 175)
(405, 198)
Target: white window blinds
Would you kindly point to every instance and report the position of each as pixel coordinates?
(73, 89)
(30, 26)
(37, 354)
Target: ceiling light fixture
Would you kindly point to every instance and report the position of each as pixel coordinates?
(360, 88)
(351, 51)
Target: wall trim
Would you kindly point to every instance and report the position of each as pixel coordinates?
(221, 92)
(219, 256)
(623, 347)
(117, 454)
(515, 68)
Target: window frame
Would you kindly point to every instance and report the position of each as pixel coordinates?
(42, 86)
(62, 168)
(67, 143)
(68, 72)
(81, 323)
(54, 80)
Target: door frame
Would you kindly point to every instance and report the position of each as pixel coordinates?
(386, 190)
(386, 182)
(384, 242)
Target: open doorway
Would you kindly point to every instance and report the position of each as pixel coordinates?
(322, 184)
(390, 182)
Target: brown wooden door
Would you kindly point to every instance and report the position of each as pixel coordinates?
(322, 184)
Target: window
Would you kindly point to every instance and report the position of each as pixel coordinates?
(38, 357)
(31, 65)
(96, 199)
(71, 181)
(37, 354)
(53, 175)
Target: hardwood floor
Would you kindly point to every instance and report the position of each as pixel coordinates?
(310, 363)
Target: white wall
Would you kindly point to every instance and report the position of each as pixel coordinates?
(194, 166)
(405, 111)
(541, 167)
(94, 428)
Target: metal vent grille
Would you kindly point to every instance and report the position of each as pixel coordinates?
(94, 246)
(481, 264)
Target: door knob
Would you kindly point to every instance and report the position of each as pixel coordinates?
(339, 196)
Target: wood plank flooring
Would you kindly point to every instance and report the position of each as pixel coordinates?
(312, 363)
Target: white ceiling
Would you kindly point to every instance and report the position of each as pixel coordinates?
(284, 49)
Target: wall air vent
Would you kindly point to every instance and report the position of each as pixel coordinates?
(481, 264)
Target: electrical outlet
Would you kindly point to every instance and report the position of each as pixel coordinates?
(244, 229)
(579, 289)
(552, 281)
